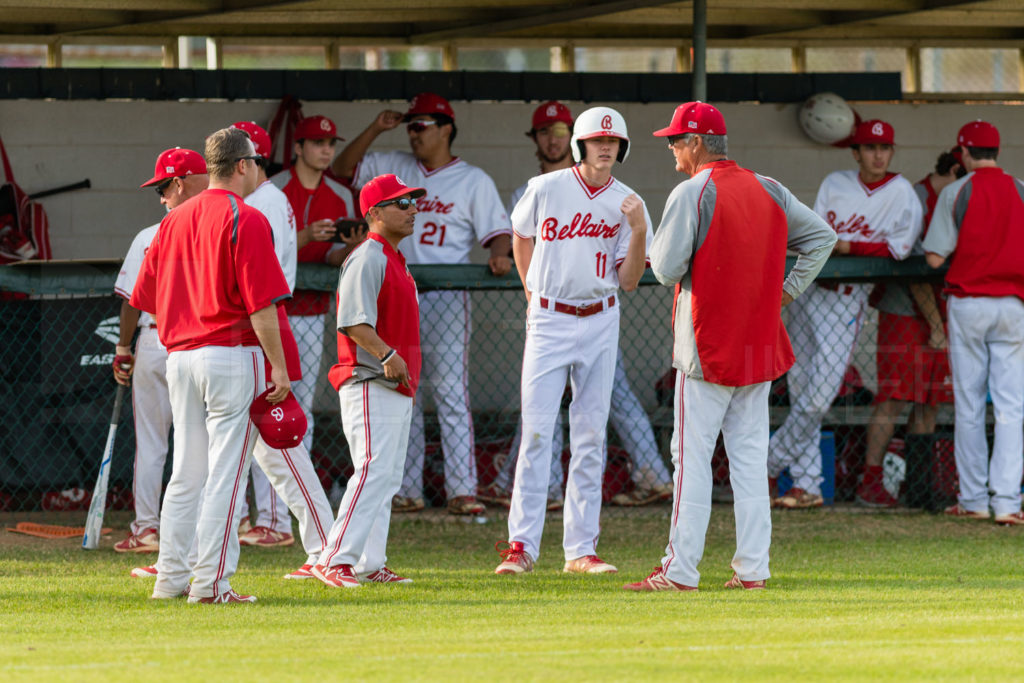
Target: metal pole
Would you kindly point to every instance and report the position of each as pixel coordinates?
(700, 46)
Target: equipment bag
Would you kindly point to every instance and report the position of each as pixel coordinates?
(24, 229)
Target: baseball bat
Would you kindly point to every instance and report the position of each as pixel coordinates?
(94, 520)
(80, 185)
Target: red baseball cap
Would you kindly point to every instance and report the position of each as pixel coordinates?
(978, 134)
(316, 128)
(873, 132)
(259, 137)
(428, 103)
(548, 113)
(282, 425)
(383, 188)
(694, 117)
(176, 162)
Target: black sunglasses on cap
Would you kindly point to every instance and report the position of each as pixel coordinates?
(403, 203)
(162, 187)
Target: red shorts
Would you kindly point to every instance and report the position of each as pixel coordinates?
(909, 369)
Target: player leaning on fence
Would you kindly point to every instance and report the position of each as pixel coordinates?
(722, 242)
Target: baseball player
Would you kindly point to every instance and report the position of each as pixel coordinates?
(551, 127)
(580, 234)
(722, 242)
(461, 207)
(376, 376)
(874, 213)
(317, 202)
(979, 225)
(217, 346)
(179, 175)
(291, 469)
(913, 367)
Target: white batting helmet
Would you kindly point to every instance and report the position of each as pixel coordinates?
(598, 122)
(827, 118)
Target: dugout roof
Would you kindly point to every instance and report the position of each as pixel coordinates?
(504, 23)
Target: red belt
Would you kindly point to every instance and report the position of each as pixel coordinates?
(581, 311)
(152, 326)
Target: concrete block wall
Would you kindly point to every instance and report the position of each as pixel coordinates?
(115, 144)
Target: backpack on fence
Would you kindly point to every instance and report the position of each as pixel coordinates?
(24, 229)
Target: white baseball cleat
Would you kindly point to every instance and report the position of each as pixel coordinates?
(144, 572)
(228, 598)
(588, 564)
(146, 541)
(657, 581)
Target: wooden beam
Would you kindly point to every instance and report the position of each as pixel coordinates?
(449, 57)
(171, 53)
(914, 69)
(545, 17)
(214, 54)
(54, 54)
(798, 59)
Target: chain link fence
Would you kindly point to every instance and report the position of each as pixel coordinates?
(59, 324)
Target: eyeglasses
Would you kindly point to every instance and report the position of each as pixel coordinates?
(162, 187)
(420, 126)
(403, 203)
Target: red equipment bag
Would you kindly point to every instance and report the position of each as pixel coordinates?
(24, 230)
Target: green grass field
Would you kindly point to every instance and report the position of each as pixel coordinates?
(853, 597)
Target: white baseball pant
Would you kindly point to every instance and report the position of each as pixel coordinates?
(376, 423)
(271, 510)
(291, 478)
(211, 389)
(631, 423)
(445, 324)
(151, 409)
(823, 326)
(701, 411)
(986, 351)
(505, 475)
(560, 345)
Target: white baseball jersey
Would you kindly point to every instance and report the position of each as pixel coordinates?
(890, 213)
(273, 204)
(461, 206)
(574, 225)
(125, 282)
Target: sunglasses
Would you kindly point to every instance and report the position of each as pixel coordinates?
(673, 139)
(162, 187)
(403, 203)
(420, 126)
(255, 157)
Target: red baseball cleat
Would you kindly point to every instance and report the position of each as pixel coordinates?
(1010, 519)
(657, 581)
(737, 582)
(146, 541)
(874, 495)
(384, 575)
(144, 572)
(958, 510)
(303, 572)
(341, 576)
(265, 537)
(516, 560)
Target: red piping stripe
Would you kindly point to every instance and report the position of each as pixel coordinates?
(680, 381)
(305, 495)
(362, 477)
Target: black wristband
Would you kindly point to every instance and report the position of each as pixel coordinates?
(387, 356)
